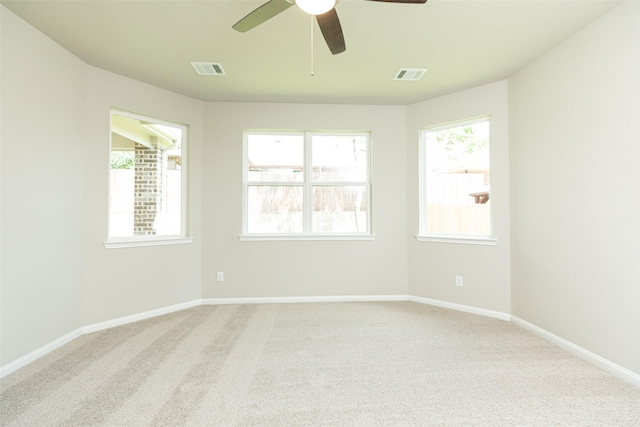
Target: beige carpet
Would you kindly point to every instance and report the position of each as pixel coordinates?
(324, 364)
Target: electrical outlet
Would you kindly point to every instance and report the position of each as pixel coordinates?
(220, 276)
(459, 281)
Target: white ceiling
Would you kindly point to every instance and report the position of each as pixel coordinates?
(462, 43)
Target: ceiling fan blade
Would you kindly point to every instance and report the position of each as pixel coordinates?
(261, 14)
(402, 1)
(332, 31)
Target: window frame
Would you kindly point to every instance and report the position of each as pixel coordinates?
(425, 236)
(153, 240)
(307, 185)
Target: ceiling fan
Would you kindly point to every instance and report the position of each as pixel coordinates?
(324, 11)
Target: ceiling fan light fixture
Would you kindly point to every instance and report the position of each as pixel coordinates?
(316, 7)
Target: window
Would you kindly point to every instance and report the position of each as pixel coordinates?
(455, 197)
(147, 181)
(306, 185)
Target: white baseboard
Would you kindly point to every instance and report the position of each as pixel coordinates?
(139, 316)
(460, 307)
(617, 370)
(287, 300)
(36, 354)
(55, 344)
(39, 352)
(358, 298)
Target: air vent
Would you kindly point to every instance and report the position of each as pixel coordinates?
(208, 68)
(410, 74)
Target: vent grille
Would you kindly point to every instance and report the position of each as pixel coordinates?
(208, 68)
(410, 74)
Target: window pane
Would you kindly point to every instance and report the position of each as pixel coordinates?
(275, 158)
(340, 209)
(339, 157)
(274, 209)
(305, 183)
(145, 178)
(457, 180)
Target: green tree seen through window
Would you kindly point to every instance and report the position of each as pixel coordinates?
(122, 160)
(461, 140)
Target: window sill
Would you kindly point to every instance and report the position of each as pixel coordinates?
(159, 241)
(462, 240)
(276, 237)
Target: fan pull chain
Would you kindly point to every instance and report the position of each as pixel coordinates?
(312, 45)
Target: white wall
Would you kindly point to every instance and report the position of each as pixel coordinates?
(43, 95)
(302, 268)
(125, 281)
(575, 174)
(433, 266)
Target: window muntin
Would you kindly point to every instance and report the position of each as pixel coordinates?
(455, 180)
(148, 179)
(306, 184)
